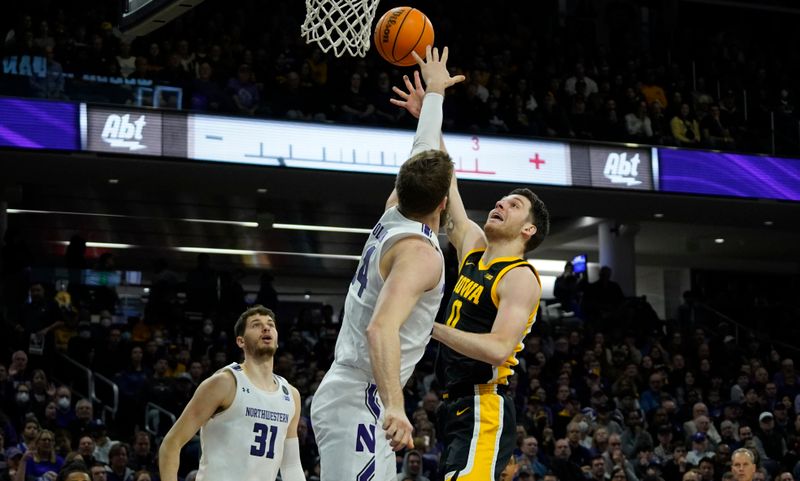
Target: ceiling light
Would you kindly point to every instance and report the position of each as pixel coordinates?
(104, 245)
(246, 252)
(261, 190)
(321, 228)
(658, 215)
(719, 240)
(307, 227)
(225, 222)
(113, 181)
(768, 223)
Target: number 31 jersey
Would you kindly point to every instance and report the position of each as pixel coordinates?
(245, 441)
(352, 347)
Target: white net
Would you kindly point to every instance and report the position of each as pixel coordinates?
(340, 25)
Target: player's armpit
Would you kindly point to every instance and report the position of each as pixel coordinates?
(214, 394)
(462, 232)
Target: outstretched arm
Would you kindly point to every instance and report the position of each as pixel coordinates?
(214, 394)
(517, 293)
(429, 127)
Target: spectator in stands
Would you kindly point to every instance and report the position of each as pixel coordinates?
(529, 457)
(583, 122)
(356, 106)
(572, 84)
(243, 91)
(81, 424)
(99, 472)
(551, 119)
(602, 296)
(578, 453)
(715, 132)
(102, 442)
(635, 437)
(773, 443)
(29, 434)
(125, 60)
(118, 463)
(142, 457)
(638, 125)
(562, 467)
(566, 288)
(41, 461)
(685, 128)
(412, 467)
(86, 447)
(610, 123)
(700, 449)
(652, 92)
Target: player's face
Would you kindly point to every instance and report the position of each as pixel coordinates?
(260, 336)
(509, 218)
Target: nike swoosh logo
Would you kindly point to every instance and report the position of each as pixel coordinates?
(461, 411)
(469, 264)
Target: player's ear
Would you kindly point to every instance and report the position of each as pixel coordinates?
(240, 342)
(443, 204)
(528, 231)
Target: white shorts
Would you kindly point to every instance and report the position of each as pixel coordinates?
(346, 416)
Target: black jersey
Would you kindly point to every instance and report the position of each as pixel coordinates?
(473, 308)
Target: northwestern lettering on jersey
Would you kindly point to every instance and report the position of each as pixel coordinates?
(468, 289)
(268, 415)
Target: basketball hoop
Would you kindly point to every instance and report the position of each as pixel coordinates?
(341, 25)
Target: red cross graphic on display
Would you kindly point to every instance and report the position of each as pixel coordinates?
(536, 160)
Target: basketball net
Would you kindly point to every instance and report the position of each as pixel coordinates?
(341, 25)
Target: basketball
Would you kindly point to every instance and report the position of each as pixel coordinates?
(399, 32)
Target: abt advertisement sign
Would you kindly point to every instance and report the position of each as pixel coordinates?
(615, 167)
(124, 131)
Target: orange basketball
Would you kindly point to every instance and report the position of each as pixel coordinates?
(399, 32)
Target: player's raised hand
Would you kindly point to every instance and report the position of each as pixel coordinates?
(434, 70)
(398, 429)
(412, 99)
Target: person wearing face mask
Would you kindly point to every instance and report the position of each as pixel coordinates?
(18, 411)
(64, 412)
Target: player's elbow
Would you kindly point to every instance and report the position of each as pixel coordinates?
(500, 354)
(374, 334)
(498, 357)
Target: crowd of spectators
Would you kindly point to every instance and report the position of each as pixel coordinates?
(713, 86)
(616, 394)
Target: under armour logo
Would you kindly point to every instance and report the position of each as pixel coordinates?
(246, 389)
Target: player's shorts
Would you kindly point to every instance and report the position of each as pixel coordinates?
(346, 416)
(479, 433)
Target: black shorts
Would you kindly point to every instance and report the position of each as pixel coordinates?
(479, 434)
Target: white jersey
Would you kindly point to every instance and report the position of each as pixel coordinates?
(352, 349)
(245, 441)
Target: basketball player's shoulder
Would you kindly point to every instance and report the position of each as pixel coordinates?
(419, 249)
(521, 281)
